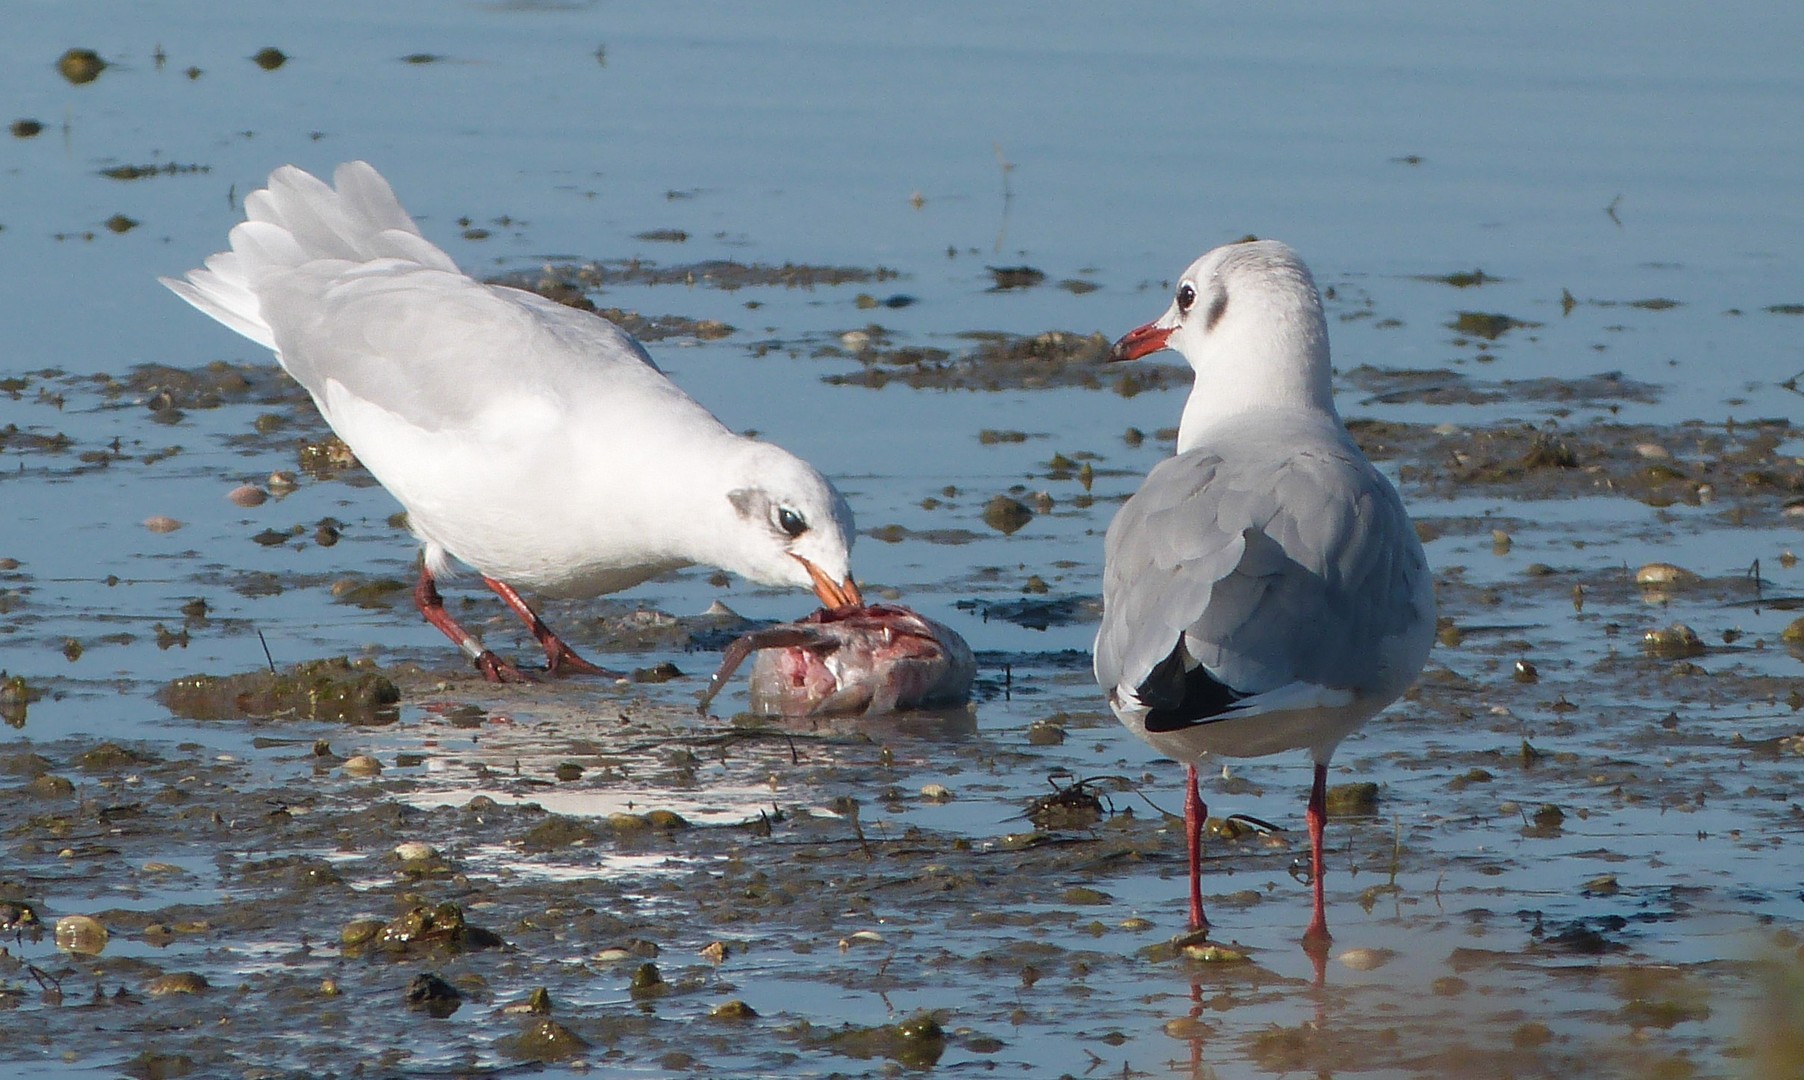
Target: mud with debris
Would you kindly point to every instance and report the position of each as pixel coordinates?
(403, 869)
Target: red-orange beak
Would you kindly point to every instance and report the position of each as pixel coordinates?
(1140, 341)
(833, 595)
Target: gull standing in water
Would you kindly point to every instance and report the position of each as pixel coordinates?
(536, 443)
(1264, 590)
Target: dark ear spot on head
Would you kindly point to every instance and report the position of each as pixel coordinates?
(749, 502)
(1217, 308)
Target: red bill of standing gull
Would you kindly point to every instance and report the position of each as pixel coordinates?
(536, 443)
(1264, 590)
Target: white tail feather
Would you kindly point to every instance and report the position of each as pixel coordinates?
(296, 220)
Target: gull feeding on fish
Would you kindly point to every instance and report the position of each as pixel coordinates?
(531, 441)
(1264, 590)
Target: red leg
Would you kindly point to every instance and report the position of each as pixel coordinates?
(432, 606)
(1317, 935)
(1195, 813)
(560, 659)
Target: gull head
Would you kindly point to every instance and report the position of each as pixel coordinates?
(789, 526)
(1248, 320)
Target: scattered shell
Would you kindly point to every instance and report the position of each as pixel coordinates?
(80, 65)
(547, 1040)
(1660, 575)
(248, 495)
(359, 932)
(1675, 642)
(161, 524)
(80, 934)
(1006, 515)
(1215, 954)
(1366, 959)
(178, 982)
(733, 1010)
(1653, 451)
(1604, 885)
(1187, 1028)
(414, 850)
(362, 765)
(537, 1003)
(665, 819)
(860, 937)
(936, 793)
(715, 952)
(647, 980)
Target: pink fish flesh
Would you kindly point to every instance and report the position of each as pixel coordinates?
(851, 661)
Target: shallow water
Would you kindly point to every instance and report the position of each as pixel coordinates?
(1621, 155)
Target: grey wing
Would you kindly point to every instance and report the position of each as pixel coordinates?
(1273, 575)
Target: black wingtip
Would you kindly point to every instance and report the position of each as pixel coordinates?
(1183, 693)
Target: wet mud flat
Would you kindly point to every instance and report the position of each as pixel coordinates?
(1568, 852)
(393, 893)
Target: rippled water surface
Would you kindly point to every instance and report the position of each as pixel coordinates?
(1590, 872)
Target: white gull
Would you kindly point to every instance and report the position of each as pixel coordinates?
(534, 442)
(1264, 590)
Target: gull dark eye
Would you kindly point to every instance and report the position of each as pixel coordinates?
(791, 522)
(1186, 297)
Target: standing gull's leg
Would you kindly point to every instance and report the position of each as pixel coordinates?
(432, 606)
(559, 657)
(1317, 934)
(1195, 813)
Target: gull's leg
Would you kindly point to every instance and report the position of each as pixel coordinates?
(1316, 938)
(1195, 813)
(432, 606)
(560, 659)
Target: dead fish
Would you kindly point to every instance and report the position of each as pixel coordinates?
(854, 660)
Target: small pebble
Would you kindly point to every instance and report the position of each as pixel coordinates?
(161, 524)
(1674, 642)
(80, 934)
(177, 982)
(414, 850)
(715, 952)
(733, 1010)
(1186, 1027)
(1664, 575)
(248, 495)
(362, 765)
(1366, 959)
(936, 793)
